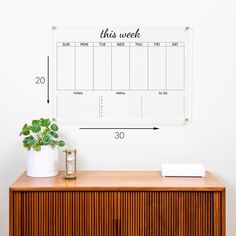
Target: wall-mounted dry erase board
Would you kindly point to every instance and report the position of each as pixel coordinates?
(121, 74)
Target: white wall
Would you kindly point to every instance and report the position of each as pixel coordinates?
(211, 137)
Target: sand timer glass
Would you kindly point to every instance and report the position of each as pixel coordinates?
(70, 164)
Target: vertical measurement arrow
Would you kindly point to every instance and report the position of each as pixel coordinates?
(47, 79)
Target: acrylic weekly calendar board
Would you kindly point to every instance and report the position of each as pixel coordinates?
(121, 74)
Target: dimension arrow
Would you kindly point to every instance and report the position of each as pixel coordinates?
(153, 128)
(47, 79)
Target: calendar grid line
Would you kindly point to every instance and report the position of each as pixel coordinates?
(165, 68)
(57, 87)
(120, 90)
(147, 68)
(75, 70)
(157, 43)
(184, 67)
(129, 66)
(93, 66)
(111, 67)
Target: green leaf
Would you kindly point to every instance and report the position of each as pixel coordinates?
(54, 134)
(45, 122)
(54, 142)
(25, 133)
(35, 123)
(27, 146)
(25, 127)
(46, 139)
(41, 121)
(36, 147)
(30, 140)
(35, 128)
(25, 130)
(54, 127)
(61, 143)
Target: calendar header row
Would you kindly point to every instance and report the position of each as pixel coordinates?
(120, 44)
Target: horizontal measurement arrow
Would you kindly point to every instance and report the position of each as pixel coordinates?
(153, 128)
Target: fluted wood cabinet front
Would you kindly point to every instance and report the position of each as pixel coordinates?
(65, 212)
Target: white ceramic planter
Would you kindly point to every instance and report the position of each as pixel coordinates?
(43, 163)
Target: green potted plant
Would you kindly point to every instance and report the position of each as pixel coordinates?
(41, 141)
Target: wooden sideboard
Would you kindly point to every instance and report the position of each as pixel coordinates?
(117, 203)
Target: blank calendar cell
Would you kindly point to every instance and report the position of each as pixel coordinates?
(175, 68)
(84, 67)
(121, 107)
(86, 108)
(120, 68)
(156, 68)
(172, 110)
(66, 67)
(102, 67)
(138, 68)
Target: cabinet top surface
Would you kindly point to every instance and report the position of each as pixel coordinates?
(117, 181)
